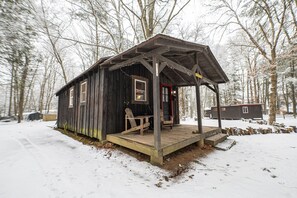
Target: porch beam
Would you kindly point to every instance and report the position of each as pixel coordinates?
(211, 88)
(162, 66)
(196, 65)
(174, 65)
(156, 104)
(130, 61)
(194, 68)
(146, 65)
(204, 79)
(187, 82)
(203, 76)
(218, 105)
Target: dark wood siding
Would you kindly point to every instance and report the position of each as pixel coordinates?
(254, 111)
(236, 112)
(82, 117)
(117, 95)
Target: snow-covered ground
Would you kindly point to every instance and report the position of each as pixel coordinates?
(288, 121)
(37, 161)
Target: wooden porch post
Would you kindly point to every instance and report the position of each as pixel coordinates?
(198, 102)
(218, 105)
(199, 116)
(157, 156)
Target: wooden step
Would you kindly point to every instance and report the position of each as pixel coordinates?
(213, 132)
(225, 145)
(214, 140)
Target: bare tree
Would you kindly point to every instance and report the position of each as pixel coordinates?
(53, 40)
(262, 21)
(154, 15)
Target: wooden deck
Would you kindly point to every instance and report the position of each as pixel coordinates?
(171, 140)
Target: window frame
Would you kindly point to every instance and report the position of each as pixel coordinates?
(71, 97)
(83, 100)
(245, 109)
(142, 80)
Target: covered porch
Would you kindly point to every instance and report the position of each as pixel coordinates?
(179, 63)
(173, 139)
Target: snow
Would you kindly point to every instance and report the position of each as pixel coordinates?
(37, 161)
(288, 121)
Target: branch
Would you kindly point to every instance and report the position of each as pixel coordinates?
(171, 17)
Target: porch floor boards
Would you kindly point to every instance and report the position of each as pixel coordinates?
(172, 140)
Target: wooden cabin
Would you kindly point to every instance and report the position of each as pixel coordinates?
(237, 112)
(144, 78)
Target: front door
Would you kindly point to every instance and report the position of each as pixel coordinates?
(166, 104)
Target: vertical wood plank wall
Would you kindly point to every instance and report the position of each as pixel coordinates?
(119, 96)
(84, 118)
(81, 118)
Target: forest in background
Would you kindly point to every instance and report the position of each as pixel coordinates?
(44, 44)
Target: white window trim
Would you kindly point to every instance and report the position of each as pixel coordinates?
(83, 100)
(145, 90)
(71, 97)
(245, 110)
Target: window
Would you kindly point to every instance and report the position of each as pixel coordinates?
(140, 90)
(71, 91)
(83, 92)
(165, 94)
(245, 110)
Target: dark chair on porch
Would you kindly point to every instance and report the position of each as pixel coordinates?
(166, 123)
(143, 122)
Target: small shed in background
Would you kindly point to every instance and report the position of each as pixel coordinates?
(49, 117)
(35, 116)
(237, 112)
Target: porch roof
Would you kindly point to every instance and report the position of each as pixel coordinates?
(189, 55)
(179, 60)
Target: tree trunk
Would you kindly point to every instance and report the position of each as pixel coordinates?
(255, 91)
(16, 90)
(247, 89)
(242, 88)
(287, 98)
(251, 90)
(151, 9)
(273, 91)
(259, 90)
(292, 86)
(293, 99)
(11, 89)
(267, 93)
(22, 89)
(42, 90)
